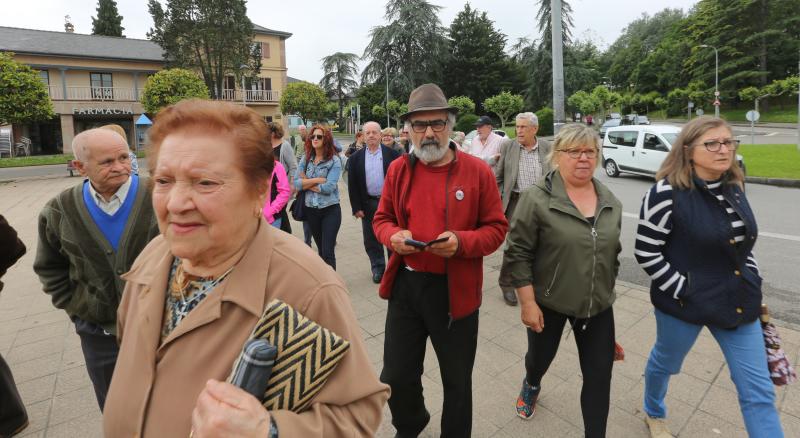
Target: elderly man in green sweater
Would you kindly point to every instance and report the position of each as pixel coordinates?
(89, 235)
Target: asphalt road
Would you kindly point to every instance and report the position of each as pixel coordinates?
(777, 250)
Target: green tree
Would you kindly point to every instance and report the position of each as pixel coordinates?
(412, 45)
(478, 62)
(750, 94)
(339, 79)
(368, 96)
(379, 111)
(396, 109)
(584, 102)
(638, 40)
(23, 95)
(605, 99)
(464, 104)
(108, 21)
(171, 86)
(306, 100)
(504, 105)
(543, 21)
(214, 37)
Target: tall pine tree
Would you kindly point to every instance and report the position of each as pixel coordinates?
(478, 67)
(108, 21)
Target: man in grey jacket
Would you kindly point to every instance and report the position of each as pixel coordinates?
(89, 235)
(523, 162)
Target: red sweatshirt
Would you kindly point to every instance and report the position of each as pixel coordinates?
(461, 197)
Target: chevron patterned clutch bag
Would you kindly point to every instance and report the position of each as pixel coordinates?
(307, 355)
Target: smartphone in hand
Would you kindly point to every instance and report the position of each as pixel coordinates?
(422, 245)
(415, 243)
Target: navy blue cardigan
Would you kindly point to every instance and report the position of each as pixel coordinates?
(686, 243)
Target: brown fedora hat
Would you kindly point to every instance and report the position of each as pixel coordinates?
(427, 97)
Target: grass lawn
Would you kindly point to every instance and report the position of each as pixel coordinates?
(775, 115)
(771, 160)
(510, 130)
(36, 160)
(42, 160)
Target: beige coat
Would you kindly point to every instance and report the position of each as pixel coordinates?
(154, 388)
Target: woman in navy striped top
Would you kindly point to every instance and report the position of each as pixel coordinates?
(695, 238)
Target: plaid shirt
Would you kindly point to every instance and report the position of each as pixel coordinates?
(530, 167)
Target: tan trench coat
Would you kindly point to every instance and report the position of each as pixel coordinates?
(155, 387)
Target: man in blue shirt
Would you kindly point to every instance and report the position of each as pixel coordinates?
(368, 168)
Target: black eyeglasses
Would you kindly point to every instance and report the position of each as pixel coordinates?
(436, 125)
(317, 137)
(576, 153)
(715, 145)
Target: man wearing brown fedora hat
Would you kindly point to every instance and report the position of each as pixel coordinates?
(440, 213)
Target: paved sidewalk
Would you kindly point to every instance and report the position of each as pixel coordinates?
(44, 353)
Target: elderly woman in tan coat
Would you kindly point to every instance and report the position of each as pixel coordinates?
(195, 293)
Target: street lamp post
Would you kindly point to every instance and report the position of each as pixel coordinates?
(386, 67)
(716, 78)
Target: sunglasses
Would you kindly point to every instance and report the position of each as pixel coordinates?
(317, 137)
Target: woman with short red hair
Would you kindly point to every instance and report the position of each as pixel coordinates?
(196, 292)
(318, 172)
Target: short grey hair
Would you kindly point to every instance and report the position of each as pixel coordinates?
(79, 149)
(529, 116)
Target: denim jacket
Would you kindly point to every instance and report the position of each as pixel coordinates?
(329, 191)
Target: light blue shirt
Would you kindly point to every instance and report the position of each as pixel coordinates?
(328, 191)
(373, 169)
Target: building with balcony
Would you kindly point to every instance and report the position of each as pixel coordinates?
(96, 80)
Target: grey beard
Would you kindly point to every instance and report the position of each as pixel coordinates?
(430, 151)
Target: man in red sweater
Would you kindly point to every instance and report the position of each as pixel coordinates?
(434, 289)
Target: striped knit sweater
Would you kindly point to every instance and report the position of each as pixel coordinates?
(655, 225)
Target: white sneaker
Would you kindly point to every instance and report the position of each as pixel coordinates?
(658, 427)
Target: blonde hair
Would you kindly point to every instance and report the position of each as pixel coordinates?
(118, 129)
(575, 134)
(678, 168)
(389, 131)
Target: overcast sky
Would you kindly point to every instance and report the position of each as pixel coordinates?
(323, 27)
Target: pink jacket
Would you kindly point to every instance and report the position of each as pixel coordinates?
(273, 207)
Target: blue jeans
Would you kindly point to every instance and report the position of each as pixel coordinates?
(746, 358)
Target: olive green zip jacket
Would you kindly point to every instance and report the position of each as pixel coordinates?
(571, 264)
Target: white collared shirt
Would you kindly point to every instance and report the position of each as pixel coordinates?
(488, 150)
(117, 199)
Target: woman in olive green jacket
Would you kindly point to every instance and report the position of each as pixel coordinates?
(561, 256)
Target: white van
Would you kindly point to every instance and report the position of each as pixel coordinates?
(639, 149)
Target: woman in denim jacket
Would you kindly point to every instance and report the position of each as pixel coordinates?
(318, 172)
(695, 239)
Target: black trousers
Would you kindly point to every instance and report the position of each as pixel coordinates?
(373, 248)
(285, 225)
(595, 353)
(100, 351)
(417, 310)
(12, 410)
(324, 224)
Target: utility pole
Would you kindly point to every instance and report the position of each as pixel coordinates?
(558, 64)
(798, 104)
(386, 67)
(716, 78)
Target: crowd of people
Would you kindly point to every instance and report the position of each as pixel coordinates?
(165, 276)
